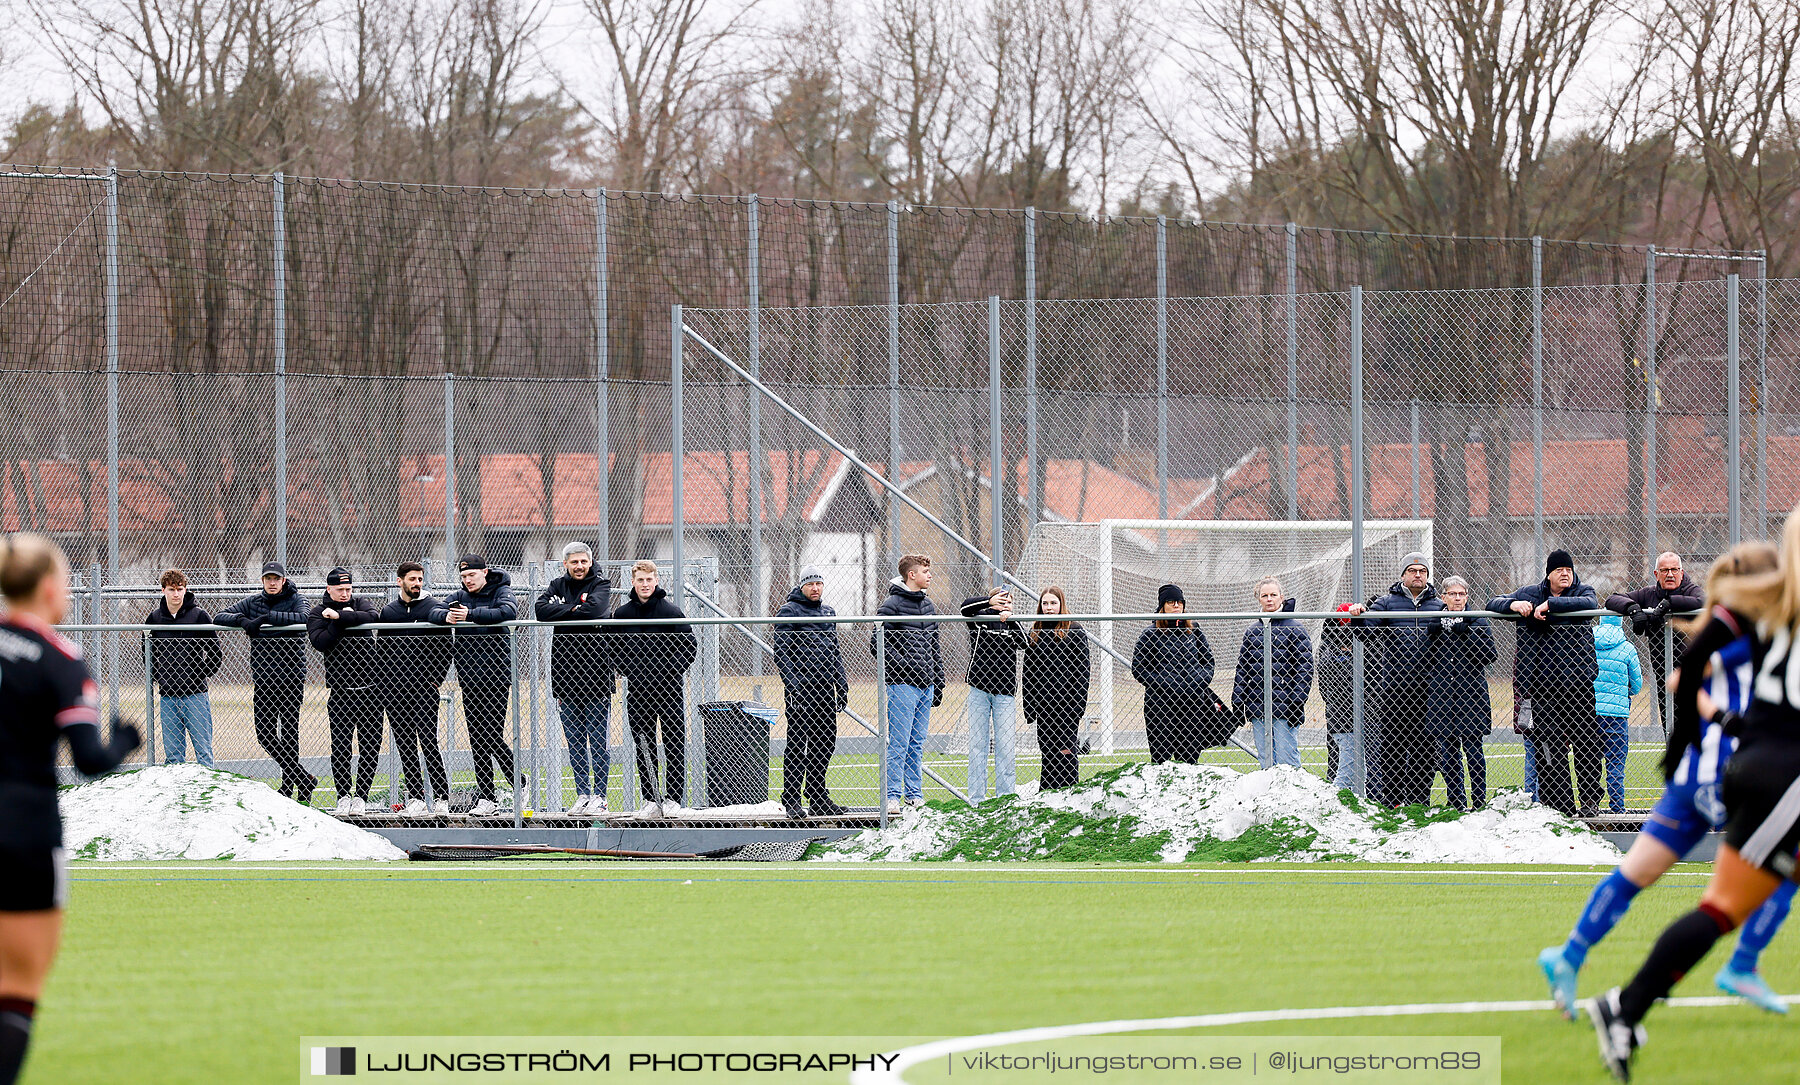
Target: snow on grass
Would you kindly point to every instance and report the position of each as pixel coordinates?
(1176, 812)
(192, 812)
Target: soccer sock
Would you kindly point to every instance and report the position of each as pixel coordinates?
(1680, 948)
(15, 1036)
(1762, 927)
(1608, 903)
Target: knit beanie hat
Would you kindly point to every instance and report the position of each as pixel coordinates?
(1170, 593)
(1558, 559)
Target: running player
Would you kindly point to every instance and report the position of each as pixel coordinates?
(1762, 799)
(48, 695)
(1688, 810)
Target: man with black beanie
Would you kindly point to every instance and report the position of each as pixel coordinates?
(482, 649)
(274, 619)
(351, 666)
(415, 663)
(1554, 674)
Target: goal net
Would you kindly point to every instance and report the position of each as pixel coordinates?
(1115, 567)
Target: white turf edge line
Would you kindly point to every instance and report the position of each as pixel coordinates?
(90, 866)
(908, 1057)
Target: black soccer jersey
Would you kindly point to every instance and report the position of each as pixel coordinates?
(44, 687)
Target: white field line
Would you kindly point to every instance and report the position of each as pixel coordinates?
(908, 1057)
(90, 866)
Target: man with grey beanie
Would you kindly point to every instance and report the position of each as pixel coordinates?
(1400, 755)
(813, 679)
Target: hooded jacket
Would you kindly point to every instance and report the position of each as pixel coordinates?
(1558, 652)
(994, 648)
(483, 650)
(808, 655)
(914, 657)
(1619, 676)
(1460, 648)
(1291, 669)
(414, 662)
(275, 624)
(1402, 641)
(652, 656)
(182, 660)
(352, 658)
(1057, 673)
(581, 666)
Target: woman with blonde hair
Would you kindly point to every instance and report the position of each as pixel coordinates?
(1056, 687)
(50, 698)
(1761, 783)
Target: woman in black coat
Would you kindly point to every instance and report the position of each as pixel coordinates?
(1458, 651)
(1056, 688)
(1175, 665)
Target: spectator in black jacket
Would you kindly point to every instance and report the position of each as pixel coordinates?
(275, 619)
(1290, 663)
(352, 666)
(994, 647)
(816, 687)
(914, 679)
(1337, 688)
(1457, 713)
(182, 661)
(1401, 757)
(654, 660)
(414, 664)
(1056, 688)
(1554, 672)
(482, 648)
(581, 672)
(1647, 612)
(1174, 663)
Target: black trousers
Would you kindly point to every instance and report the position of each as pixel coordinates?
(1452, 752)
(1407, 754)
(413, 718)
(484, 708)
(277, 711)
(355, 716)
(1563, 722)
(1058, 736)
(645, 708)
(811, 741)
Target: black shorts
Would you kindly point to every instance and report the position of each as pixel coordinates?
(1762, 803)
(32, 879)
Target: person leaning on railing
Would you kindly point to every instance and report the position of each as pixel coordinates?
(1647, 611)
(483, 653)
(654, 660)
(414, 664)
(352, 663)
(1400, 756)
(1055, 688)
(275, 620)
(581, 671)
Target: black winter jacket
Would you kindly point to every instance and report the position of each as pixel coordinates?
(1173, 664)
(1556, 654)
(1400, 642)
(809, 657)
(276, 625)
(1687, 596)
(1337, 680)
(581, 668)
(1290, 670)
(1461, 648)
(182, 660)
(913, 655)
(482, 650)
(352, 658)
(414, 662)
(656, 655)
(1057, 672)
(993, 649)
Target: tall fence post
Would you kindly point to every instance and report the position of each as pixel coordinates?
(1734, 453)
(1265, 753)
(882, 723)
(1033, 500)
(997, 495)
(893, 348)
(112, 422)
(1162, 368)
(1762, 395)
(1293, 372)
(281, 456)
(450, 472)
(603, 372)
(758, 603)
(1360, 778)
(1537, 394)
(677, 525)
(1652, 548)
(1414, 436)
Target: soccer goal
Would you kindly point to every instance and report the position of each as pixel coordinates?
(1115, 567)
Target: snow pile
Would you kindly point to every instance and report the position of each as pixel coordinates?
(1205, 813)
(192, 812)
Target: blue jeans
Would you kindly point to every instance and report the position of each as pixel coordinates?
(909, 717)
(1615, 746)
(1530, 767)
(1349, 752)
(584, 725)
(182, 718)
(1286, 745)
(990, 713)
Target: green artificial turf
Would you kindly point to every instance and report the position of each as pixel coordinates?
(213, 972)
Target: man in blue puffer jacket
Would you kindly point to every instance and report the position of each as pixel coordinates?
(1290, 678)
(1619, 679)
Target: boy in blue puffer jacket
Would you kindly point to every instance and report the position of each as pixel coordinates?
(1620, 678)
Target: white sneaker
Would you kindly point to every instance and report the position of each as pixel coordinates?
(415, 808)
(649, 810)
(596, 805)
(342, 807)
(483, 808)
(441, 807)
(580, 807)
(894, 806)
(672, 809)
(357, 806)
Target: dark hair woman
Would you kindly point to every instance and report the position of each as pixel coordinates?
(1056, 687)
(1174, 664)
